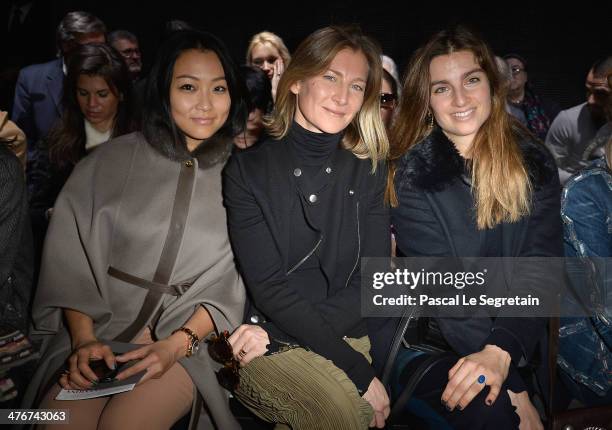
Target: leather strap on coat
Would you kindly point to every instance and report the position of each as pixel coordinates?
(173, 289)
(178, 219)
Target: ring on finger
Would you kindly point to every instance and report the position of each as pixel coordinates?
(242, 353)
(481, 379)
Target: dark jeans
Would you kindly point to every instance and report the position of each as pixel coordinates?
(583, 394)
(426, 401)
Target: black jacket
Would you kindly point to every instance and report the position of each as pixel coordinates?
(259, 193)
(15, 244)
(433, 219)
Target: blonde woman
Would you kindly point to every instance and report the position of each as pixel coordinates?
(268, 52)
(303, 208)
(468, 181)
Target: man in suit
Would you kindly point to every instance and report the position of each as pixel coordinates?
(21, 24)
(38, 95)
(127, 45)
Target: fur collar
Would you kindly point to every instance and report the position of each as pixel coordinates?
(212, 151)
(434, 163)
(215, 150)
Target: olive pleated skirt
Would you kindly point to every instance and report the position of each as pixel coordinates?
(299, 389)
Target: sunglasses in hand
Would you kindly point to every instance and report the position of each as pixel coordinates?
(220, 350)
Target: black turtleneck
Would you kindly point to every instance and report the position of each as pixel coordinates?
(314, 233)
(311, 149)
(311, 153)
(314, 156)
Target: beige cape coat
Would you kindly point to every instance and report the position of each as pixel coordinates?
(115, 211)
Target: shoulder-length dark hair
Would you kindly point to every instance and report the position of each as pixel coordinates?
(67, 140)
(500, 180)
(259, 88)
(158, 125)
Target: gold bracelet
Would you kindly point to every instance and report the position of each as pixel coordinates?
(193, 341)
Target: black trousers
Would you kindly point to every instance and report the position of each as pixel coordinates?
(426, 401)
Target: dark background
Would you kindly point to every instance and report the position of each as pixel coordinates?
(560, 41)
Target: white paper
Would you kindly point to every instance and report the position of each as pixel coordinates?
(108, 388)
(90, 394)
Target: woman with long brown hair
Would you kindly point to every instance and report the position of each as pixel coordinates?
(468, 181)
(96, 102)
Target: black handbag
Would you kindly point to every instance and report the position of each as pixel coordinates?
(421, 334)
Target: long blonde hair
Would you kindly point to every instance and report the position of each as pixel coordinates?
(365, 136)
(500, 181)
(267, 37)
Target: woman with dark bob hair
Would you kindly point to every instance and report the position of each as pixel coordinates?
(258, 86)
(303, 208)
(137, 251)
(469, 181)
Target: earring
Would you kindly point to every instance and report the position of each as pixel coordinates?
(430, 119)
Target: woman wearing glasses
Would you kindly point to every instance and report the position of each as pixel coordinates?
(468, 181)
(388, 98)
(529, 108)
(303, 208)
(137, 251)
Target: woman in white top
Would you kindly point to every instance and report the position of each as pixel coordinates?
(95, 109)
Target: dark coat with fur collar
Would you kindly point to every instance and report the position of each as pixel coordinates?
(435, 217)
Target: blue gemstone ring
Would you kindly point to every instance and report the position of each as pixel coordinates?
(481, 379)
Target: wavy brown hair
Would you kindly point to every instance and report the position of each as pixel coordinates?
(365, 136)
(500, 181)
(66, 140)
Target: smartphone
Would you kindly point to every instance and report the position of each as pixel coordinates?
(103, 372)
